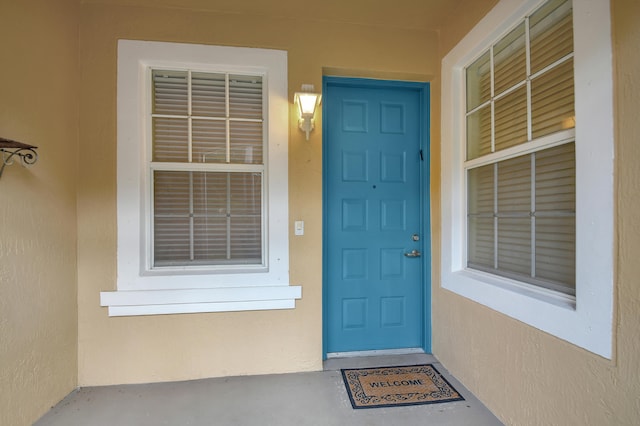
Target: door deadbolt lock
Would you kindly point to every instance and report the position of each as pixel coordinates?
(415, 237)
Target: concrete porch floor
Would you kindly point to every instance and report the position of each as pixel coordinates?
(316, 398)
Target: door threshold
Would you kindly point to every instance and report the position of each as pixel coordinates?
(381, 352)
(375, 359)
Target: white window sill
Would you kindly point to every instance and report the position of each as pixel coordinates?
(184, 301)
(478, 285)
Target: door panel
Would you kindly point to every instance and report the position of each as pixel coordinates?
(374, 293)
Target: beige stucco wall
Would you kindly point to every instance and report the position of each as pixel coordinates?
(177, 347)
(527, 377)
(38, 308)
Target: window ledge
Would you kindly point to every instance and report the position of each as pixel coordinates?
(480, 278)
(183, 301)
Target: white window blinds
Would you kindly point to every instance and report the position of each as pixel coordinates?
(521, 153)
(207, 169)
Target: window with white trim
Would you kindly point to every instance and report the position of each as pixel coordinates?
(527, 160)
(520, 157)
(202, 196)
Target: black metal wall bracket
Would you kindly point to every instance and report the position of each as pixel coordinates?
(9, 149)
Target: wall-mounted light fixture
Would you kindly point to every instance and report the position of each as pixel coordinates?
(307, 102)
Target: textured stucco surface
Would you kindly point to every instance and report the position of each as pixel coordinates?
(527, 377)
(38, 309)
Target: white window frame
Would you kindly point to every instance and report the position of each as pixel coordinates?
(585, 320)
(142, 290)
(151, 167)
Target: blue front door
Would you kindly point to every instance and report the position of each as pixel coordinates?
(375, 195)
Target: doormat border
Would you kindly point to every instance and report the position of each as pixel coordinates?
(351, 376)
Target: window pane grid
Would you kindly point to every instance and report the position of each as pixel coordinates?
(552, 101)
(510, 60)
(478, 86)
(169, 134)
(206, 217)
(530, 233)
(170, 93)
(206, 97)
(551, 28)
(521, 218)
(510, 121)
(515, 61)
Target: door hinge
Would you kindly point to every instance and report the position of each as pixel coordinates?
(421, 156)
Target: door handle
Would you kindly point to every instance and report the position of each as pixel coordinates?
(413, 253)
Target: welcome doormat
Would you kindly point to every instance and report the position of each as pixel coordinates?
(397, 386)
